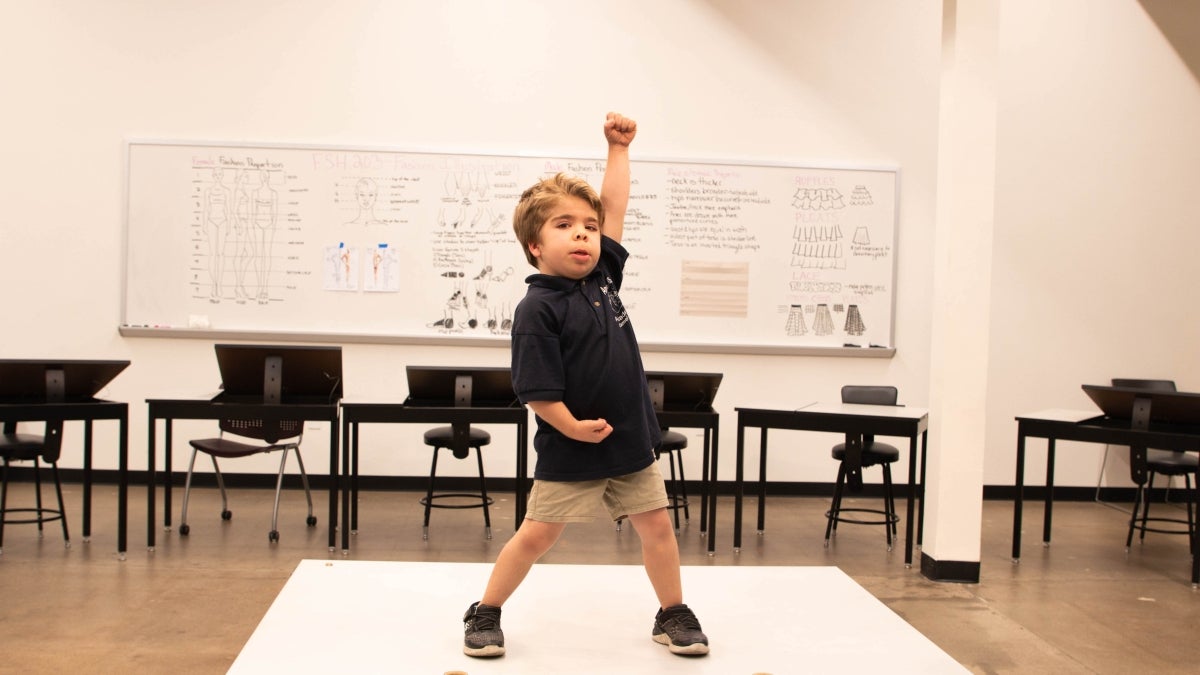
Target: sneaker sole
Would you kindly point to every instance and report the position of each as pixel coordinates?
(488, 651)
(695, 649)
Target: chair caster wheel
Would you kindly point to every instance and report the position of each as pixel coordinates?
(273, 536)
(184, 530)
(226, 514)
(312, 521)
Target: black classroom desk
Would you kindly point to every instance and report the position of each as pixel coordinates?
(708, 420)
(87, 411)
(1088, 427)
(844, 418)
(355, 413)
(169, 410)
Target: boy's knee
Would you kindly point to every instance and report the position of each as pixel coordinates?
(536, 536)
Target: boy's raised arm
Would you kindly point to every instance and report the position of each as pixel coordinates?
(614, 191)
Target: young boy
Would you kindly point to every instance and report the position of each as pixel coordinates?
(576, 364)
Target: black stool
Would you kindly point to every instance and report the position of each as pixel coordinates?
(673, 444)
(858, 453)
(443, 437)
(875, 453)
(31, 447)
(1167, 463)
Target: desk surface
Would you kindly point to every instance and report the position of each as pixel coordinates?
(1060, 415)
(861, 409)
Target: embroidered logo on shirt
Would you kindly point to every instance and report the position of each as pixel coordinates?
(619, 314)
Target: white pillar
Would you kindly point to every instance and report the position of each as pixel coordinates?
(961, 291)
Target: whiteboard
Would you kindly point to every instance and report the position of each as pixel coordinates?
(363, 244)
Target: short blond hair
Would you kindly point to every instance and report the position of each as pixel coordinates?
(538, 201)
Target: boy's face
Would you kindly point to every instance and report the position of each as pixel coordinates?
(569, 242)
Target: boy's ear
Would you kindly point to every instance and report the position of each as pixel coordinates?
(535, 249)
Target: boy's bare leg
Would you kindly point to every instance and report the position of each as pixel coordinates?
(660, 555)
(530, 543)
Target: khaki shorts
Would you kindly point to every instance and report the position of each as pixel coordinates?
(575, 501)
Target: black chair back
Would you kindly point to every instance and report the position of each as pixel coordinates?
(271, 432)
(869, 394)
(1150, 385)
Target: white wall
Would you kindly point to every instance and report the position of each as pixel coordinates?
(1095, 123)
(1096, 227)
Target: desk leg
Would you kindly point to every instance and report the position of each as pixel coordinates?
(167, 445)
(1195, 538)
(333, 484)
(151, 483)
(738, 486)
(711, 491)
(1018, 497)
(921, 487)
(349, 439)
(912, 495)
(762, 481)
(522, 474)
(1049, 492)
(353, 487)
(704, 486)
(123, 488)
(87, 481)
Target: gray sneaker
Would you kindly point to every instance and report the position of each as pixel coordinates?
(482, 634)
(679, 629)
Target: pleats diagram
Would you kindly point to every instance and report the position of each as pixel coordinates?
(821, 318)
(818, 249)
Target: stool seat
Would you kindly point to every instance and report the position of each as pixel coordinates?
(443, 437)
(1172, 462)
(877, 453)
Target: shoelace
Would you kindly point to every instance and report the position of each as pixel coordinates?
(484, 621)
(684, 620)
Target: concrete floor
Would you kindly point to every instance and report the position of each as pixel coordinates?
(1081, 606)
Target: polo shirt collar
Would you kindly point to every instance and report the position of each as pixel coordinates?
(554, 283)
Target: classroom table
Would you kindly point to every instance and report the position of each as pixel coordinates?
(1088, 427)
(355, 413)
(219, 407)
(844, 418)
(87, 411)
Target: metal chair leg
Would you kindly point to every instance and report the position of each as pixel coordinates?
(184, 528)
(487, 519)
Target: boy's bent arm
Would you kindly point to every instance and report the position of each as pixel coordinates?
(614, 191)
(557, 415)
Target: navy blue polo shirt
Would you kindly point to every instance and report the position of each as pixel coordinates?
(572, 341)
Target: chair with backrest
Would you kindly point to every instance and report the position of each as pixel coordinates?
(46, 448)
(857, 453)
(1165, 463)
(282, 436)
